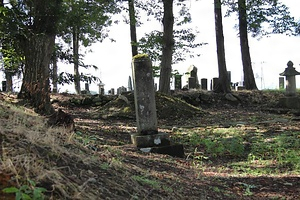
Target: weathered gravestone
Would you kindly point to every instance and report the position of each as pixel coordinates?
(121, 90)
(281, 83)
(178, 84)
(204, 83)
(147, 138)
(4, 86)
(192, 77)
(101, 88)
(291, 100)
(129, 84)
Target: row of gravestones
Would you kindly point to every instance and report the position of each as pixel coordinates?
(193, 81)
(191, 76)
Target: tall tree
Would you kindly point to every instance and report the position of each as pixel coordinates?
(38, 43)
(132, 21)
(155, 42)
(85, 23)
(249, 79)
(223, 82)
(254, 16)
(167, 48)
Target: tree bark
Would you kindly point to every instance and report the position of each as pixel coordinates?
(35, 85)
(168, 45)
(54, 74)
(38, 46)
(76, 60)
(249, 79)
(223, 82)
(132, 21)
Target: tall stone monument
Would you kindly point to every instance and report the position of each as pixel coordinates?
(148, 138)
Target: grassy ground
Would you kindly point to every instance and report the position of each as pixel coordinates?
(232, 151)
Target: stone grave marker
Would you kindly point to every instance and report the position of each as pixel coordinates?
(281, 83)
(129, 84)
(192, 73)
(147, 138)
(178, 83)
(204, 83)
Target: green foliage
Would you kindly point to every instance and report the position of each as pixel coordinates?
(266, 17)
(258, 152)
(90, 17)
(27, 192)
(146, 181)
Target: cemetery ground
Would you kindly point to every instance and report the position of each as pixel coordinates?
(248, 149)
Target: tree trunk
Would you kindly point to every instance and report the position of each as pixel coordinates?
(76, 59)
(54, 74)
(249, 79)
(132, 20)
(168, 45)
(38, 47)
(35, 87)
(223, 82)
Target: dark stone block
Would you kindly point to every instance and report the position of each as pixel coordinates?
(143, 141)
(175, 150)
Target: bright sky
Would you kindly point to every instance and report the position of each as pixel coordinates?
(269, 55)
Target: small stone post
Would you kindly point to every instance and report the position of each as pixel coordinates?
(129, 84)
(4, 86)
(214, 83)
(281, 83)
(87, 88)
(147, 137)
(204, 83)
(178, 84)
(101, 88)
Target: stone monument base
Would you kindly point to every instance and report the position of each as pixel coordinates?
(290, 102)
(159, 139)
(157, 143)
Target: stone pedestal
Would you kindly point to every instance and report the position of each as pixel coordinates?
(155, 140)
(292, 102)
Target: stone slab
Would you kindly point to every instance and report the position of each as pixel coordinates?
(153, 140)
(175, 150)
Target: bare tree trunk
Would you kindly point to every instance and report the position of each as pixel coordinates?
(132, 19)
(38, 47)
(223, 82)
(246, 58)
(54, 74)
(76, 60)
(168, 45)
(35, 85)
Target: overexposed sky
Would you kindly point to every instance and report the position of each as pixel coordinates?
(269, 55)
